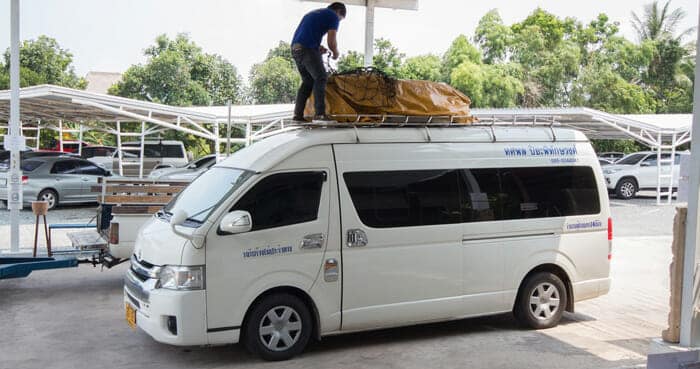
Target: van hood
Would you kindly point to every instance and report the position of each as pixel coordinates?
(158, 245)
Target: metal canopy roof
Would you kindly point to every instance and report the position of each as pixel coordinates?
(48, 103)
(651, 129)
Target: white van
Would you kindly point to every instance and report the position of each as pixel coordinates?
(324, 231)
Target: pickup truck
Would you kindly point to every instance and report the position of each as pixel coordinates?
(125, 205)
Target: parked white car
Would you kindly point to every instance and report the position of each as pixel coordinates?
(184, 173)
(639, 171)
(318, 232)
(157, 154)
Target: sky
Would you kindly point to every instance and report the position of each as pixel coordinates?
(110, 35)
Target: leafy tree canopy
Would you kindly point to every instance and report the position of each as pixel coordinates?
(179, 73)
(42, 61)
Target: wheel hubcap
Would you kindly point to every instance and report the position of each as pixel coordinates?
(627, 189)
(49, 198)
(544, 301)
(280, 328)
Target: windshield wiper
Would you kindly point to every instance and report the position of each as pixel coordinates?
(191, 218)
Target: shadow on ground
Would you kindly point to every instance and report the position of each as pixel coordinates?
(74, 319)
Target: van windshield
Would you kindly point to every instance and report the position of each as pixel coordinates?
(205, 193)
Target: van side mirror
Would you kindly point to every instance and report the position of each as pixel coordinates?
(237, 221)
(644, 164)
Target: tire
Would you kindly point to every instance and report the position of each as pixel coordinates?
(272, 319)
(541, 301)
(626, 188)
(49, 196)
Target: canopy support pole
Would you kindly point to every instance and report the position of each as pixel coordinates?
(689, 325)
(228, 130)
(369, 33)
(14, 202)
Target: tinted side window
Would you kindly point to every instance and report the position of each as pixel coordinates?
(171, 151)
(89, 168)
(283, 199)
(65, 167)
(540, 192)
(405, 198)
(425, 197)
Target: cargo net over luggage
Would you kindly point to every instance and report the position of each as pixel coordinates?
(367, 95)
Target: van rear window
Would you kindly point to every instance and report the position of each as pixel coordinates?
(427, 197)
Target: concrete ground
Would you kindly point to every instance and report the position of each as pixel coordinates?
(74, 318)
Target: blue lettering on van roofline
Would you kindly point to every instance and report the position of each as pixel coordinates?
(540, 151)
(266, 251)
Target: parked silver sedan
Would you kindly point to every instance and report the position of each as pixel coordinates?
(56, 180)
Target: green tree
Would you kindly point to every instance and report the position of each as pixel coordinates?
(493, 37)
(469, 77)
(387, 57)
(549, 26)
(42, 61)
(489, 85)
(600, 87)
(350, 61)
(422, 67)
(460, 51)
(274, 81)
(659, 22)
(179, 73)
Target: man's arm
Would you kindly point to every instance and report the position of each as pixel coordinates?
(333, 43)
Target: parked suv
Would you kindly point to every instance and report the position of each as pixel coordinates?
(157, 154)
(639, 171)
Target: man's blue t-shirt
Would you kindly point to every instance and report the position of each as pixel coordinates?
(313, 26)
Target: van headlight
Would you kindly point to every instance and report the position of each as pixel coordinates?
(175, 277)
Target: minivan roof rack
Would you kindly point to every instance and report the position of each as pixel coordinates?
(356, 121)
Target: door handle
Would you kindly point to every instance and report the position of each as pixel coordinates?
(85, 179)
(356, 238)
(312, 241)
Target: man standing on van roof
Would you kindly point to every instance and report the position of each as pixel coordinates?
(307, 52)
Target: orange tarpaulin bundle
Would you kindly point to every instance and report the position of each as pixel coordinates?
(366, 92)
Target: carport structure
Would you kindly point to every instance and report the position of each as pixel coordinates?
(75, 112)
(663, 133)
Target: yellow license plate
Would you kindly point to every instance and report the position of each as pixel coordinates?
(130, 316)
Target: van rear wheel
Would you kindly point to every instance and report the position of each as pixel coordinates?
(541, 301)
(278, 328)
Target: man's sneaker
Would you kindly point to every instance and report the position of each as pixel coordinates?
(323, 119)
(299, 120)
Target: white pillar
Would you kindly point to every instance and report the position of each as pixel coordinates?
(143, 146)
(690, 334)
(15, 183)
(60, 135)
(80, 140)
(119, 149)
(369, 33)
(217, 142)
(228, 130)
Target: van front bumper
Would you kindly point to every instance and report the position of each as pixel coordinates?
(157, 309)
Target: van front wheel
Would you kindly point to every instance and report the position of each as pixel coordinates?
(278, 328)
(541, 301)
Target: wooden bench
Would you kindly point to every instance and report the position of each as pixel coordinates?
(136, 196)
